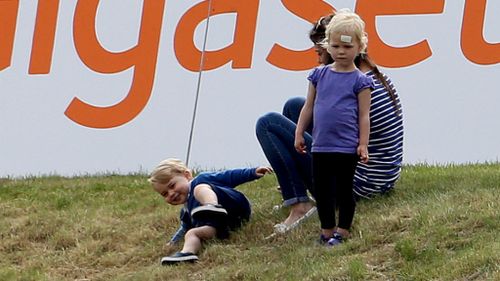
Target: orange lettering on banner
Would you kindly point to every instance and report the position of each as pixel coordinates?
(239, 52)
(142, 57)
(284, 58)
(474, 47)
(8, 18)
(43, 37)
(386, 55)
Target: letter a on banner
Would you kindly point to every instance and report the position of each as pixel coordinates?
(239, 52)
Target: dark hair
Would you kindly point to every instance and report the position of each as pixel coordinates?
(317, 34)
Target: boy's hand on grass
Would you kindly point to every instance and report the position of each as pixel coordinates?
(261, 171)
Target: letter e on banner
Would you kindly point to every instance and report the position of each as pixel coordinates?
(384, 54)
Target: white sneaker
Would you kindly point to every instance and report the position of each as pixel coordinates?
(282, 228)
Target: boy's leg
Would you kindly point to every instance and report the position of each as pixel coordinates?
(210, 212)
(205, 194)
(192, 245)
(194, 237)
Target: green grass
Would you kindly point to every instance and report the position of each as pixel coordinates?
(440, 223)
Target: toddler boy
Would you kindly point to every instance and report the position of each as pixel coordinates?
(212, 206)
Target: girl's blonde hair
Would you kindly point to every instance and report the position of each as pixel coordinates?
(166, 170)
(345, 21)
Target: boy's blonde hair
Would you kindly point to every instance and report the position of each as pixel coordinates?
(166, 170)
(347, 21)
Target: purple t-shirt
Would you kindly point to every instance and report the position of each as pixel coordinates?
(336, 126)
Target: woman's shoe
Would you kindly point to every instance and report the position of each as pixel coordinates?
(282, 228)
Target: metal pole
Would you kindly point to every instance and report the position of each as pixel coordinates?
(202, 61)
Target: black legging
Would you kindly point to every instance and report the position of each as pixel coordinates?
(333, 174)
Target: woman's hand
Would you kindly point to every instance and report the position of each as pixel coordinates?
(261, 171)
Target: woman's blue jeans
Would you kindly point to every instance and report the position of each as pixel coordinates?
(276, 135)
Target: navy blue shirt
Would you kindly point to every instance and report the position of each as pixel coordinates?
(222, 183)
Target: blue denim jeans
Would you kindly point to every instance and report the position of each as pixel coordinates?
(276, 135)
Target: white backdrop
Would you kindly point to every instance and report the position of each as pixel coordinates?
(450, 103)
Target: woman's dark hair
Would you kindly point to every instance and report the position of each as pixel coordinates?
(317, 34)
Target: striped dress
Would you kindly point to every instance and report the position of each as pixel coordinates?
(385, 146)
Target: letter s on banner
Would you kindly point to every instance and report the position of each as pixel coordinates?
(142, 57)
(299, 60)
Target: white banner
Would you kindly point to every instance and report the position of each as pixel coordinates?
(94, 86)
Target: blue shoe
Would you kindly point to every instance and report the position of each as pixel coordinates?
(179, 257)
(323, 239)
(209, 212)
(335, 240)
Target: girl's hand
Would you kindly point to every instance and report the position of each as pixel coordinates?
(300, 144)
(363, 153)
(261, 171)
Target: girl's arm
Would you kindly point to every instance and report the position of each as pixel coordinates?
(305, 118)
(364, 123)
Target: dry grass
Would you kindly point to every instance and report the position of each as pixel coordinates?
(441, 223)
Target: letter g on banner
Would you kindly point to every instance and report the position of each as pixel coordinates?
(142, 57)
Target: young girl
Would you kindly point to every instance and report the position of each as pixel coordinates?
(339, 100)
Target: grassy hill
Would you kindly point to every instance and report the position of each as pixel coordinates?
(440, 223)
